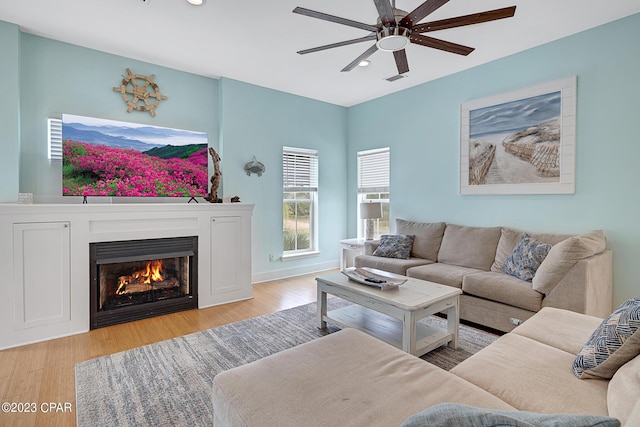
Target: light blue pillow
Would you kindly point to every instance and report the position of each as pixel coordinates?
(526, 258)
(458, 415)
(395, 246)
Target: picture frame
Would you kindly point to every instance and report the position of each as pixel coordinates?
(520, 142)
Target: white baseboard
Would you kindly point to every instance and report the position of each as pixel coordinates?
(292, 272)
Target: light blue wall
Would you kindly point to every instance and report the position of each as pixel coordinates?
(421, 125)
(63, 78)
(9, 111)
(242, 120)
(258, 122)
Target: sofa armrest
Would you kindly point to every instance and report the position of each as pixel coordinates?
(370, 246)
(586, 288)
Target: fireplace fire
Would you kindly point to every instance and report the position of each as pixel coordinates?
(137, 279)
(145, 280)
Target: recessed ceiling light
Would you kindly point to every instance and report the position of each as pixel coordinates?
(195, 2)
(364, 63)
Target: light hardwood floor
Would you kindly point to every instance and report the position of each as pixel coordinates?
(44, 372)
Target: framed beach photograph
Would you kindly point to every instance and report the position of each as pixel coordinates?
(520, 142)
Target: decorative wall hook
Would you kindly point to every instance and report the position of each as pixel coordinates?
(254, 166)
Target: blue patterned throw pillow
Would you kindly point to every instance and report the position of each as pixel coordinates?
(615, 342)
(526, 258)
(395, 246)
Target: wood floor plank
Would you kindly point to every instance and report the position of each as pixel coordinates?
(43, 373)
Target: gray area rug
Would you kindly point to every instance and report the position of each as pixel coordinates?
(169, 383)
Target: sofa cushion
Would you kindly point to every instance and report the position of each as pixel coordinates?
(564, 255)
(473, 247)
(502, 288)
(457, 415)
(634, 418)
(612, 344)
(563, 329)
(624, 390)
(345, 377)
(450, 275)
(428, 237)
(509, 238)
(392, 265)
(532, 376)
(526, 257)
(395, 246)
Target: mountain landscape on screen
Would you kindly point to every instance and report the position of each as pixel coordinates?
(112, 158)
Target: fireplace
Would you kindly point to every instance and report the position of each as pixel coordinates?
(137, 279)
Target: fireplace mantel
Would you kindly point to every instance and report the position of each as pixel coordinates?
(44, 257)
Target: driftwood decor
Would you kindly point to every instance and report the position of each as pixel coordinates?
(139, 92)
(215, 180)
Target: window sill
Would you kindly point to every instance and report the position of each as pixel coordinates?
(291, 257)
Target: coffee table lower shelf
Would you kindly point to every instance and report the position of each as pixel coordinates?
(387, 328)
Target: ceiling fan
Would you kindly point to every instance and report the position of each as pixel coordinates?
(396, 28)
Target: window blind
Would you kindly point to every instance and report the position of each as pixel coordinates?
(373, 171)
(299, 169)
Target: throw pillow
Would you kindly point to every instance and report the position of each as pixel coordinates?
(526, 258)
(395, 246)
(510, 238)
(615, 342)
(458, 415)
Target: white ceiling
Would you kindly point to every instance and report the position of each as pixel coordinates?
(256, 41)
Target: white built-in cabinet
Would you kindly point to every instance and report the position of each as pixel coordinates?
(44, 258)
(225, 255)
(41, 268)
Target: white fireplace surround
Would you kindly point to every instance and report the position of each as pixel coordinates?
(44, 258)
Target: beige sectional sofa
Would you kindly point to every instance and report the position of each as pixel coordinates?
(575, 275)
(351, 379)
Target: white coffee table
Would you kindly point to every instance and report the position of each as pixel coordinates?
(392, 315)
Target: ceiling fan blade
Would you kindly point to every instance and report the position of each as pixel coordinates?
(460, 21)
(386, 12)
(353, 64)
(421, 12)
(401, 61)
(441, 44)
(336, 19)
(339, 44)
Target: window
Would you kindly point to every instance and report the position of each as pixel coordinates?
(373, 185)
(299, 201)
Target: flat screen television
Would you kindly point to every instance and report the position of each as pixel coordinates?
(112, 158)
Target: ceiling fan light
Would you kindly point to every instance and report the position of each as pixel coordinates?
(391, 39)
(195, 2)
(392, 43)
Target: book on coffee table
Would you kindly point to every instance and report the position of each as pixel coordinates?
(373, 277)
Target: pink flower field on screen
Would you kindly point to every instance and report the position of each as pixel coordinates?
(109, 171)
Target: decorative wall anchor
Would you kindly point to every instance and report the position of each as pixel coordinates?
(254, 166)
(138, 92)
